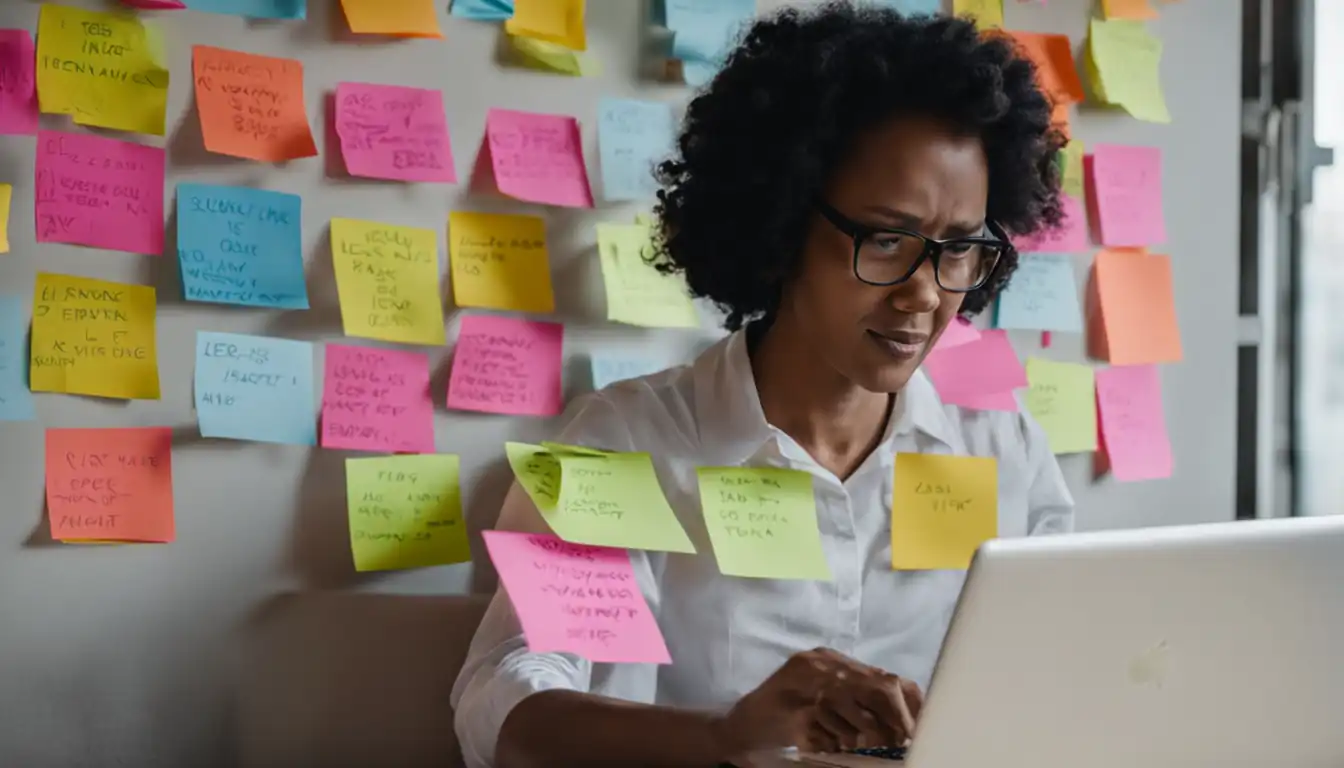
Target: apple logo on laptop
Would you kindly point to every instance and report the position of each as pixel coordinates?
(1150, 667)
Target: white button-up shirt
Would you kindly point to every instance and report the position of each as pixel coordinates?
(726, 634)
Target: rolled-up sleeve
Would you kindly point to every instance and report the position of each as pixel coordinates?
(500, 671)
(1049, 503)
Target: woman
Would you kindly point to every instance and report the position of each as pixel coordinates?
(843, 192)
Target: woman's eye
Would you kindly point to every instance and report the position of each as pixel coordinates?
(888, 243)
(959, 249)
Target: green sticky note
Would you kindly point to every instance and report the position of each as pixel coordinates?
(763, 522)
(582, 450)
(405, 512)
(614, 500)
(538, 472)
(1062, 397)
(637, 293)
(1124, 65)
(552, 57)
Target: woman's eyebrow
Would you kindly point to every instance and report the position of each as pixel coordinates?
(904, 220)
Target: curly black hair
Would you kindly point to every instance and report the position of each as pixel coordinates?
(758, 145)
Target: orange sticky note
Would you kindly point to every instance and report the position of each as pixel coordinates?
(402, 18)
(1055, 69)
(251, 106)
(110, 484)
(1132, 312)
(1127, 9)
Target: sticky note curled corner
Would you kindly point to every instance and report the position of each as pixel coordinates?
(1124, 65)
(942, 509)
(762, 522)
(405, 512)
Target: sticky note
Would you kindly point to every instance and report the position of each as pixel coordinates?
(110, 484)
(551, 57)
(632, 136)
(500, 262)
(251, 106)
(16, 402)
(1127, 9)
(608, 369)
(964, 374)
(553, 21)
(575, 599)
(387, 279)
(1134, 318)
(255, 388)
(958, 332)
(1134, 440)
(704, 32)
(942, 509)
(391, 132)
(93, 337)
(1127, 182)
(404, 18)
(911, 7)
(257, 9)
(762, 522)
(538, 473)
(614, 500)
(1056, 71)
(99, 192)
(156, 5)
(6, 195)
(1062, 398)
(537, 158)
(637, 293)
(1069, 237)
(406, 512)
(1042, 295)
(101, 69)
(239, 245)
(987, 14)
(483, 10)
(1071, 168)
(18, 83)
(1124, 64)
(377, 400)
(507, 365)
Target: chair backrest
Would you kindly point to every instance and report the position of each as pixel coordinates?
(334, 679)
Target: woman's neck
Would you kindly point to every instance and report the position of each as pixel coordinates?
(836, 422)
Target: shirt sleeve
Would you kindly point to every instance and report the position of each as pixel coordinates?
(500, 671)
(1049, 503)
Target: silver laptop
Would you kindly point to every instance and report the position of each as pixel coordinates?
(1218, 646)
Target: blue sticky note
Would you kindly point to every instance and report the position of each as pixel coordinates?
(483, 10)
(16, 401)
(632, 136)
(256, 9)
(239, 245)
(1042, 295)
(608, 370)
(911, 7)
(255, 388)
(704, 32)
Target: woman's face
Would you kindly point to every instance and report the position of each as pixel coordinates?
(911, 174)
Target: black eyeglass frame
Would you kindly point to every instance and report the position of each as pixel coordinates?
(932, 249)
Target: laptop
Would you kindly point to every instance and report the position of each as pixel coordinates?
(1214, 645)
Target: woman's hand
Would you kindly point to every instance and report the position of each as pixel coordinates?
(822, 701)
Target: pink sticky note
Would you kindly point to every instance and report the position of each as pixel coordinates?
(156, 5)
(1133, 427)
(377, 400)
(573, 598)
(1128, 188)
(958, 332)
(18, 83)
(537, 158)
(99, 192)
(1070, 237)
(972, 374)
(391, 132)
(507, 365)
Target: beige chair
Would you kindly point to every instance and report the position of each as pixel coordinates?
(337, 680)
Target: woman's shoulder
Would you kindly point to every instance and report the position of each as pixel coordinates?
(633, 414)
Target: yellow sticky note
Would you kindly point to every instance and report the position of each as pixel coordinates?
(942, 509)
(500, 262)
(402, 18)
(1063, 399)
(553, 57)
(637, 293)
(1071, 170)
(1124, 65)
(552, 21)
(614, 500)
(6, 195)
(101, 69)
(537, 471)
(763, 522)
(988, 14)
(387, 278)
(405, 512)
(93, 337)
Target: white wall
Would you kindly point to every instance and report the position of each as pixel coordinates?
(123, 655)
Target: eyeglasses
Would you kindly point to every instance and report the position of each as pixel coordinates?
(892, 256)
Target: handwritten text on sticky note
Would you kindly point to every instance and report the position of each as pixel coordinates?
(99, 192)
(405, 512)
(391, 132)
(1062, 398)
(942, 509)
(239, 245)
(537, 158)
(255, 388)
(377, 400)
(1042, 295)
(637, 293)
(500, 262)
(93, 337)
(110, 484)
(1133, 424)
(1128, 184)
(251, 106)
(387, 278)
(632, 137)
(614, 500)
(507, 365)
(762, 522)
(18, 84)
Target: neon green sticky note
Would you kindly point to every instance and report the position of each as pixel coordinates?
(763, 522)
(1124, 61)
(405, 512)
(637, 293)
(615, 500)
(579, 449)
(1062, 397)
(538, 472)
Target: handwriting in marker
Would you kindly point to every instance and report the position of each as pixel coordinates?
(537, 158)
(500, 261)
(391, 132)
(377, 400)
(507, 365)
(405, 512)
(943, 508)
(251, 106)
(239, 245)
(255, 388)
(99, 192)
(387, 278)
(93, 337)
(633, 136)
(110, 484)
(763, 522)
